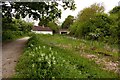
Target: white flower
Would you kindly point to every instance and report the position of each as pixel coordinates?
(80, 72)
(74, 67)
(53, 57)
(39, 59)
(53, 77)
(50, 48)
(42, 54)
(31, 45)
(50, 55)
(33, 55)
(63, 60)
(39, 47)
(43, 46)
(46, 57)
(55, 52)
(33, 65)
(30, 54)
(36, 48)
(48, 62)
(54, 62)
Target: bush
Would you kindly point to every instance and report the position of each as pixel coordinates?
(101, 28)
(11, 35)
(7, 35)
(15, 28)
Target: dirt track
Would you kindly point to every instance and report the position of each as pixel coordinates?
(11, 52)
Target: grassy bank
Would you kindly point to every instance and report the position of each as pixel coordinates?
(56, 56)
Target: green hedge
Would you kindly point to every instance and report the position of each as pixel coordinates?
(11, 35)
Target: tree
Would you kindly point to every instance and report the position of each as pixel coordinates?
(42, 10)
(16, 25)
(115, 13)
(68, 21)
(73, 28)
(89, 12)
(12, 25)
(82, 24)
(24, 26)
(53, 26)
(115, 10)
(101, 25)
(43, 22)
(115, 30)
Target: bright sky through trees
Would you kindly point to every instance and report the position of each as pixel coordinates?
(81, 4)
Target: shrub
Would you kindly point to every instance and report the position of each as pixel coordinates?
(11, 35)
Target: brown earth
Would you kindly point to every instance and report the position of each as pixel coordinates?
(105, 61)
(11, 52)
(107, 65)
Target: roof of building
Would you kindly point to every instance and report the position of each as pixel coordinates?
(40, 28)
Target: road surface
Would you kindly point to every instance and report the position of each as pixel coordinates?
(11, 52)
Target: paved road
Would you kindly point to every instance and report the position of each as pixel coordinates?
(10, 54)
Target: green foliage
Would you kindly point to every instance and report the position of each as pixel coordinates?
(88, 13)
(43, 22)
(11, 35)
(102, 24)
(16, 25)
(68, 21)
(73, 28)
(115, 30)
(85, 23)
(42, 59)
(96, 25)
(14, 29)
(50, 24)
(97, 28)
(83, 29)
(24, 26)
(115, 10)
(53, 26)
(7, 24)
(42, 10)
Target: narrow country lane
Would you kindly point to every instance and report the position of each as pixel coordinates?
(10, 54)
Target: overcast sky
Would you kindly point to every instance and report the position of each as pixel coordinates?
(81, 4)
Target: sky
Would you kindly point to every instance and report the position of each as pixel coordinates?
(81, 4)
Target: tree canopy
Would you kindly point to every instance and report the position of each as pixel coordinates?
(93, 24)
(42, 10)
(53, 26)
(68, 21)
(115, 10)
(16, 25)
(89, 12)
(115, 14)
